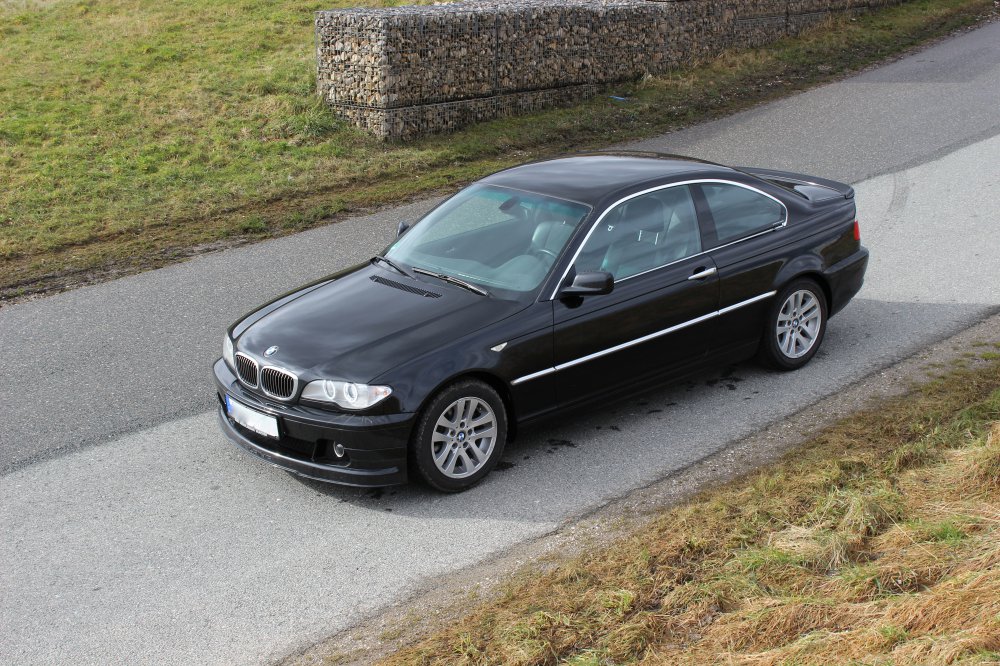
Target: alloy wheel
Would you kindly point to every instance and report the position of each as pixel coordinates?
(798, 323)
(464, 437)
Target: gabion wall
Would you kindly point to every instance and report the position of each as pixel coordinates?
(407, 71)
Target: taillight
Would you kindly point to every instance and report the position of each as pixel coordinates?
(857, 231)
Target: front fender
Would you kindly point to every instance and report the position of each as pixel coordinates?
(524, 343)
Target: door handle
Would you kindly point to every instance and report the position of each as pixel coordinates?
(703, 273)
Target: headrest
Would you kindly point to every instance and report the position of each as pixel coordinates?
(643, 214)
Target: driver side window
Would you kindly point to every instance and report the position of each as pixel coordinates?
(642, 234)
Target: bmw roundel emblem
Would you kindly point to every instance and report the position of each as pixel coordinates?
(271, 351)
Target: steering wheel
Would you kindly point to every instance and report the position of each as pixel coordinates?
(544, 252)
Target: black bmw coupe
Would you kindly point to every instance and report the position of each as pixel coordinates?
(536, 289)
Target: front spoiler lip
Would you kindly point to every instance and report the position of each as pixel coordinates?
(362, 478)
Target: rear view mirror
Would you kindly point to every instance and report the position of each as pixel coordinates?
(401, 229)
(590, 284)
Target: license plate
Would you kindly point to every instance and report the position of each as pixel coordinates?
(251, 419)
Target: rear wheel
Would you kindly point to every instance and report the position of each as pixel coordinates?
(795, 326)
(460, 436)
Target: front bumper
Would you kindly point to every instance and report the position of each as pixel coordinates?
(374, 446)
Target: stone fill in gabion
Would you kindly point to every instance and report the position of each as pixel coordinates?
(403, 72)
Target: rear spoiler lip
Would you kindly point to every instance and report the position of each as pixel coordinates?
(802, 179)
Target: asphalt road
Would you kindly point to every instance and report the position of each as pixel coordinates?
(131, 531)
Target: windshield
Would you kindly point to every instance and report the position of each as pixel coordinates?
(497, 238)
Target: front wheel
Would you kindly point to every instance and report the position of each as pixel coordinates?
(795, 326)
(460, 436)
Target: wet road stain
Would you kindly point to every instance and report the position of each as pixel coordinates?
(560, 443)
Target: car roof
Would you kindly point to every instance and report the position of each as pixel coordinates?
(594, 177)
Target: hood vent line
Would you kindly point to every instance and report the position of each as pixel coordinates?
(403, 287)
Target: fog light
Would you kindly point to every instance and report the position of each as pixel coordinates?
(338, 450)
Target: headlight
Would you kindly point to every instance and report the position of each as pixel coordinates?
(227, 351)
(345, 394)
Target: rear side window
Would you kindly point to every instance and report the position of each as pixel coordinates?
(739, 212)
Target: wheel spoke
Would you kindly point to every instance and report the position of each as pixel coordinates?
(480, 455)
(484, 418)
(786, 344)
(446, 422)
(486, 433)
(460, 407)
(467, 465)
(450, 461)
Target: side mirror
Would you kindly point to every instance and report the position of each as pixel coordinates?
(401, 229)
(590, 284)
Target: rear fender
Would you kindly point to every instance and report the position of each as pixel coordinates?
(804, 266)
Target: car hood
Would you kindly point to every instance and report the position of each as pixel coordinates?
(367, 321)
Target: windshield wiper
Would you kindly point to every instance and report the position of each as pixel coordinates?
(454, 281)
(392, 264)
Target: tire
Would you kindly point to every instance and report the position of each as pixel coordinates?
(795, 326)
(453, 448)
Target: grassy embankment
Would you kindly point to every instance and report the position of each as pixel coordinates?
(877, 542)
(132, 131)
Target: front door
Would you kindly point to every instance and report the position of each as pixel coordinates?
(659, 318)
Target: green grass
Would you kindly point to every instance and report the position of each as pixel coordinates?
(133, 130)
(123, 113)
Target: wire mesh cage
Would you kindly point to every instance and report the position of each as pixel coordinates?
(404, 71)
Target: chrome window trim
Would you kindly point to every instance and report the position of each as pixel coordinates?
(650, 336)
(697, 181)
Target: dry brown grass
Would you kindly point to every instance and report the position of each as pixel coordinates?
(876, 542)
(986, 465)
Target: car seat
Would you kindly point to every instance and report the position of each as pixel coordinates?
(636, 245)
(550, 235)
